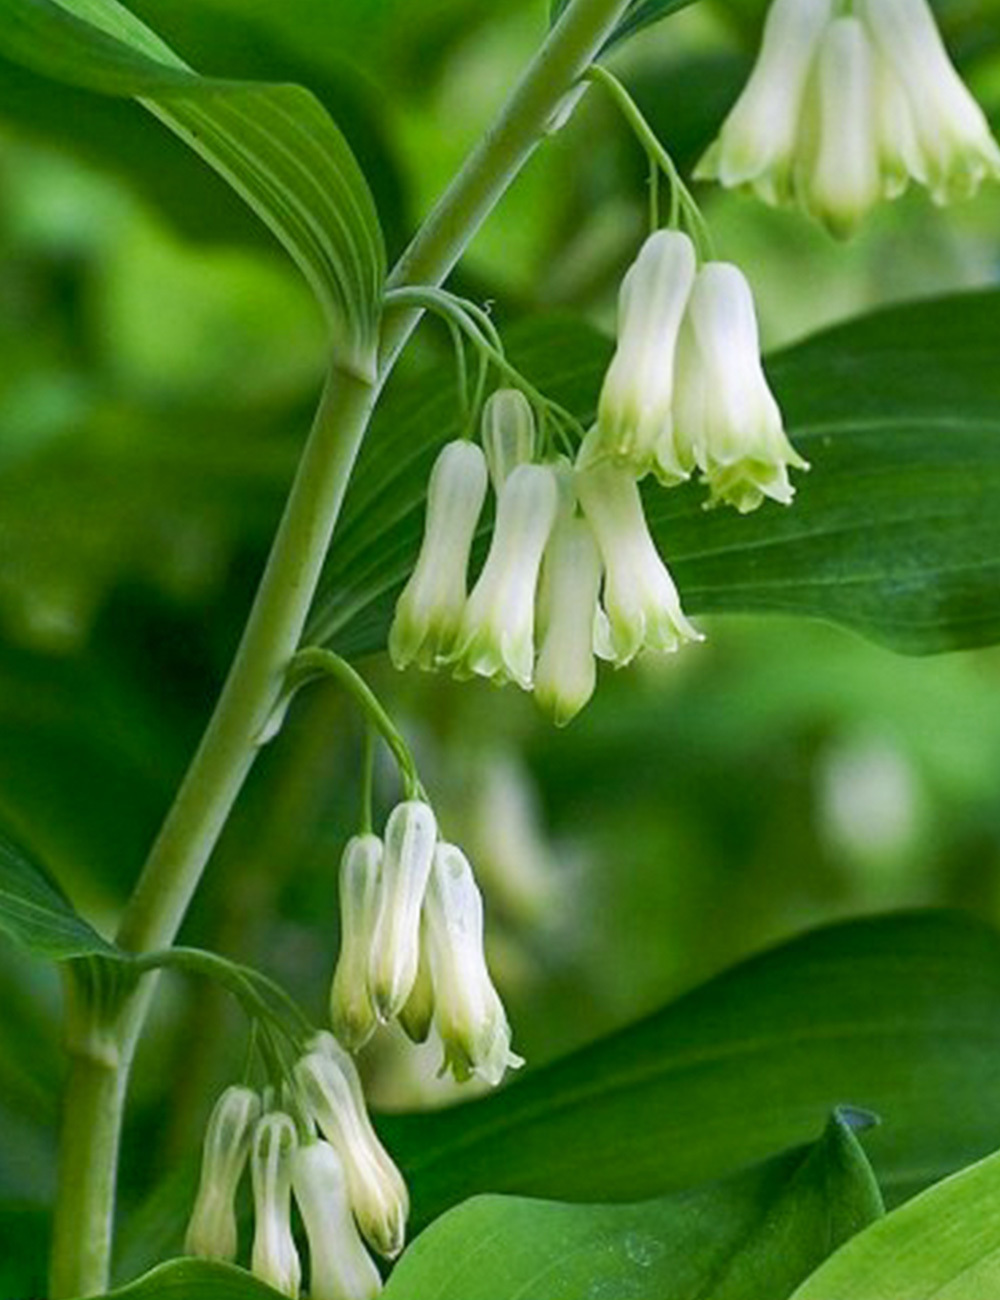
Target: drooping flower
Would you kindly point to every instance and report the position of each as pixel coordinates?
(634, 417)
(724, 407)
(565, 674)
(640, 599)
(351, 1011)
(468, 1012)
(339, 1266)
(430, 607)
(417, 1014)
(274, 1258)
(330, 1090)
(211, 1232)
(410, 835)
(496, 636)
(508, 434)
(845, 106)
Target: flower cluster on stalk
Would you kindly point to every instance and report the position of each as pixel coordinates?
(848, 102)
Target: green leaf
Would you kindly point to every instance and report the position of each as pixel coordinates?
(194, 1279)
(35, 911)
(757, 1234)
(639, 15)
(944, 1244)
(894, 533)
(274, 144)
(894, 1014)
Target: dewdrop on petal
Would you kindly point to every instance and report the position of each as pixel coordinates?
(957, 151)
(330, 1090)
(634, 409)
(410, 835)
(339, 1266)
(430, 607)
(468, 1012)
(724, 404)
(497, 635)
(212, 1232)
(757, 144)
(274, 1258)
(565, 674)
(508, 431)
(352, 1013)
(640, 599)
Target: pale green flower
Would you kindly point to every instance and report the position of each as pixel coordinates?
(352, 1013)
(274, 1258)
(339, 1266)
(211, 1232)
(566, 674)
(410, 835)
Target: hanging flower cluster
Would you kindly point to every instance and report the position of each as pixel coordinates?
(846, 105)
(343, 1181)
(412, 947)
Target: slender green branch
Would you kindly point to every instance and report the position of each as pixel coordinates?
(95, 1089)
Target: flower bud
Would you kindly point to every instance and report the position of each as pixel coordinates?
(331, 1092)
(211, 1232)
(565, 674)
(417, 1015)
(410, 834)
(508, 434)
(468, 1012)
(339, 1266)
(431, 604)
(640, 598)
(634, 410)
(274, 1258)
(351, 1011)
(724, 405)
(496, 637)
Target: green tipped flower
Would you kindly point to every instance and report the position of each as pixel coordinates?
(211, 1232)
(566, 674)
(339, 1266)
(410, 835)
(274, 1258)
(352, 1013)
(508, 434)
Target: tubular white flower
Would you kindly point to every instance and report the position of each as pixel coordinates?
(431, 604)
(468, 1012)
(634, 410)
(956, 146)
(757, 143)
(274, 1258)
(330, 1089)
(410, 834)
(339, 1266)
(417, 1014)
(839, 176)
(724, 404)
(640, 598)
(565, 674)
(211, 1232)
(508, 430)
(351, 1011)
(496, 637)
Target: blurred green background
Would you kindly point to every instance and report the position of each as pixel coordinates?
(159, 359)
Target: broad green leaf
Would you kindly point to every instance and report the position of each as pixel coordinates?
(35, 911)
(895, 532)
(755, 1235)
(274, 144)
(893, 1015)
(943, 1245)
(194, 1279)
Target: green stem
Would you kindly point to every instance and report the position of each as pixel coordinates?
(95, 1089)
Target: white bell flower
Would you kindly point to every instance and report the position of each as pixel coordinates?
(640, 599)
(274, 1258)
(956, 147)
(417, 1014)
(566, 674)
(410, 835)
(430, 607)
(634, 410)
(724, 404)
(211, 1232)
(351, 1011)
(841, 170)
(758, 142)
(508, 430)
(468, 1013)
(339, 1266)
(330, 1090)
(496, 637)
